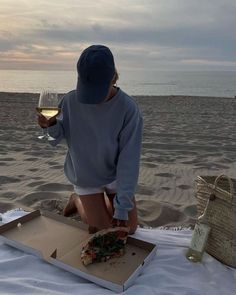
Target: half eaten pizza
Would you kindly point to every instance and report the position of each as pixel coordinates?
(104, 245)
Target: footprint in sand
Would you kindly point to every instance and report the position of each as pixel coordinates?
(54, 187)
(166, 188)
(18, 149)
(51, 163)
(148, 165)
(31, 159)
(35, 183)
(31, 153)
(52, 205)
(154, 213)
(9, 195)
(34, 198)
(57, 167)
(9, 159)
(184, 186)
(226, 161)
(39, 154)
(5, 207)
(164, 174)
(33, 169)
(47, 155)
(189, 162)
(144, 190)
(7, 179)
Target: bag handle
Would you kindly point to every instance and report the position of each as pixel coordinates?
(231, 187)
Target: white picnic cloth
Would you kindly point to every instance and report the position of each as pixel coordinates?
(168, 273)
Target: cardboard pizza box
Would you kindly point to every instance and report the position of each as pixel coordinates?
(58, 240)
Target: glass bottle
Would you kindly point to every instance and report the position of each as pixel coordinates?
(200, 236)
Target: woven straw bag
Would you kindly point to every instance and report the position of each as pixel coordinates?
(221, 215)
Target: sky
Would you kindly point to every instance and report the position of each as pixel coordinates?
(144, 35)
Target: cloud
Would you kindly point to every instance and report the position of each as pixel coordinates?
(143, 34)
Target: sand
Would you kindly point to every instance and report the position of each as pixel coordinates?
(183, 137)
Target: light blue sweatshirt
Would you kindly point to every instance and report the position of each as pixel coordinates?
(104, 144)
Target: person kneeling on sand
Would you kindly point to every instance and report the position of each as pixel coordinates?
(102, 127)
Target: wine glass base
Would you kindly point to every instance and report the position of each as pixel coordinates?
(41, 136)
(49, 138)
(46, 137)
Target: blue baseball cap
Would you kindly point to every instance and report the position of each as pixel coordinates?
(96, 69)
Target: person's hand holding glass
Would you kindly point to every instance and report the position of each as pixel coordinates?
(48, 110)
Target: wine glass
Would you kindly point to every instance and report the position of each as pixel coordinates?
(48, 107)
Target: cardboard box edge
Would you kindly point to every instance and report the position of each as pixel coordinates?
(52, 259)
(91, 278)
(65, 220)
(22, 247)
(22, 219)
(139, 270)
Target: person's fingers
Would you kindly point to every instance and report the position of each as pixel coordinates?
(113, 222)
(52, 120)
(42, 121)
(121, 223)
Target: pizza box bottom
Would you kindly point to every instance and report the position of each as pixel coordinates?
(58, 240)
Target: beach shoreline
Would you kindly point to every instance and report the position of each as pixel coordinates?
(184, 136)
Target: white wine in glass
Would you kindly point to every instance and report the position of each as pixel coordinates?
(48, 107)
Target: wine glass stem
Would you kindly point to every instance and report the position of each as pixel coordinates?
(48, 136)
(45, 132)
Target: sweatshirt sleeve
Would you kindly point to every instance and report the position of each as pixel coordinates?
(57, 130)
(130, 141)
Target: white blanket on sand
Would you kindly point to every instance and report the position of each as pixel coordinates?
(169, 273)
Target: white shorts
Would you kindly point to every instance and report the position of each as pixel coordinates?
(109, 188)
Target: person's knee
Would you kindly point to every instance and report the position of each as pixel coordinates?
(132, 231)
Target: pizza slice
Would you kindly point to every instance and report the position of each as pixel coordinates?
(104, 245)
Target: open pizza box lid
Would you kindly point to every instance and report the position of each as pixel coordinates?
(59, 240)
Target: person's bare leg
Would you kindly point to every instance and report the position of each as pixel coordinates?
(70, 207)
(133, 216)
(74, 206)
(109, 205)
(95, 211)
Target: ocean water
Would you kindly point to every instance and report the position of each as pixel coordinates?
(199, 83)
